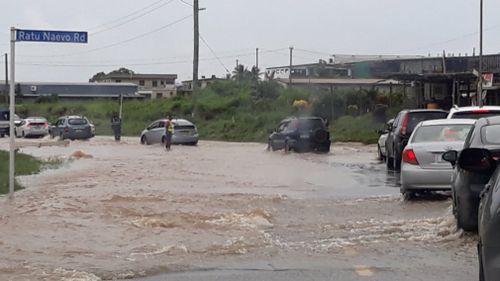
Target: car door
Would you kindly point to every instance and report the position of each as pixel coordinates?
(278, 138)
(389, 143)
(58, 127)
(150, 134)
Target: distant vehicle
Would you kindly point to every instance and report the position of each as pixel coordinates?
(423, 168)
(474, 112)
(483, 162)
(467, 185)
(71, 127)
(5, 122)
(32, 127)
(382, 152)
(401, 130)
(300, 134)
(185, 132)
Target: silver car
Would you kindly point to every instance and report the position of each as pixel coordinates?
(422, 167)
(32, 127)
(185, 132)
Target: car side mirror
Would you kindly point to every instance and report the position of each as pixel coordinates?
(477, 160)
(450, 156)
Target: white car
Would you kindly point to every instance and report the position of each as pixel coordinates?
(473, 112)
(32, 127)
(382, 152)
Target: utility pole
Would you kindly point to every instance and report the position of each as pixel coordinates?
(257, 58)
(6, 77)
(480, 84)
(291, 66)
(196, 54)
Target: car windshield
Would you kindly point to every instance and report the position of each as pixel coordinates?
(77, 121)
(310, 124)
(417, 117)
(475, 114)
(441, 133)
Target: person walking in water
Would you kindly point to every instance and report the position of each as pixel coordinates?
(169, 131)
(116, 125)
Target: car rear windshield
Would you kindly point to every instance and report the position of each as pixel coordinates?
(310, 124)
(183, 127)
(441, 133)
(77, 121)
(475, 114)
(417, 117)
(491, 134)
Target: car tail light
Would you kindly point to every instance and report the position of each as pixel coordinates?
(410, 157)
(28, 125)
(46, 125)
(404, 127)
(66, 129)
(481, 111)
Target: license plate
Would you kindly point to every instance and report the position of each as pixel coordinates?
(304, 136)
(78, 131)
(438, 158)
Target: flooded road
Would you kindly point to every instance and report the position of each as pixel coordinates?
(224, 211)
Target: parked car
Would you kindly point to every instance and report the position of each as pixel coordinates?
(468, 185)
(381, 140)
(92, 127)
(300, 134)
(401, 130)
(5, 122)
(485, 162)
(185, 132)
(474, 112)
(423, 168)
(71, 127)
(32, 127)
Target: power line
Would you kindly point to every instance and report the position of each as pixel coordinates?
(126, 16)
(213, 53)
(189, 4)
(120, 42)
(132, 19)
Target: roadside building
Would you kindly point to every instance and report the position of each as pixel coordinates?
(31, 91)
(151, 86)
(187, 86)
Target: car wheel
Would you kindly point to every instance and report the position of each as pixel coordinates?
(287, 148)
(397, 162)
(144, 140)
(466, 217)
(380, 156)
(408, 195)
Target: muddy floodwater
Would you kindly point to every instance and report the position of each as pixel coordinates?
(124, 210)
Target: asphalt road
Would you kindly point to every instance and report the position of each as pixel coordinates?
(224, 211)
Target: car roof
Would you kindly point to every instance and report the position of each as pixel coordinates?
(471, 108)
(34, 118)
(179, 121)
(493, 120)
(423, 110)
(436, 122)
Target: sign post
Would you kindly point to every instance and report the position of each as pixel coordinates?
(22, 35)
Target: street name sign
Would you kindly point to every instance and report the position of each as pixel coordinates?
(51, 36)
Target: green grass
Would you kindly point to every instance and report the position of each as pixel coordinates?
(227, 111)
(25, 165)
(355, 129)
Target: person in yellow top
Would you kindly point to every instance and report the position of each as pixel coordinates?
(169, 131)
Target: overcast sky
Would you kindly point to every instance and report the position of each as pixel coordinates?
(155, 36)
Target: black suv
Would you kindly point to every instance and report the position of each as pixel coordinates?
(301, 134)
(400, 132)
(467, 185)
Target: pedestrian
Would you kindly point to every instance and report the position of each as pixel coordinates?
(116, 125)
(169, 131)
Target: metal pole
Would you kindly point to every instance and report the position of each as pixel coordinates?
(257, 58)
(12, 102)
(121, 106)
(480, 85)
(291, 66)
(6, 78)
(196, 54)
